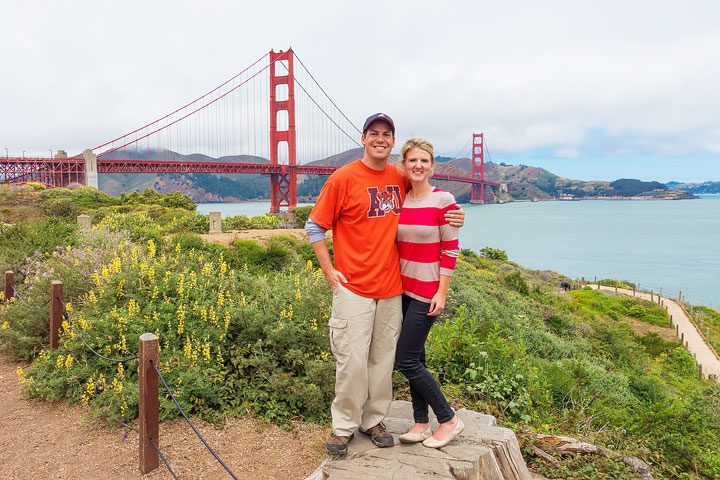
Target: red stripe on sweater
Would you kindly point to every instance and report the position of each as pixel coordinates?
(446, 261)
(419, 252)
(420, 288)
(429, 216)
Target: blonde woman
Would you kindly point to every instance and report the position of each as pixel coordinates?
(428, 248)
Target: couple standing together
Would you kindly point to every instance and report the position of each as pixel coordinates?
(395, 242)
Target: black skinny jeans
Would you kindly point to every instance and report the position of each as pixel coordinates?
(410, 360)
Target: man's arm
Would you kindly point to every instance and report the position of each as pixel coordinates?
(456, 218)
(319, 244)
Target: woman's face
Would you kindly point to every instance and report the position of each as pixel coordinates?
(417, 164)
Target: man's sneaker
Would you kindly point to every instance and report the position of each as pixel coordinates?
(379, 436)
(337, 445)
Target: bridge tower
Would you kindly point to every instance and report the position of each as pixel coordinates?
(478, 169)
(283, 185)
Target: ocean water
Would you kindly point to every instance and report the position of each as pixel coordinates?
(668, 244)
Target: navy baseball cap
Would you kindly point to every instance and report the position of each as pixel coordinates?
(379, 117)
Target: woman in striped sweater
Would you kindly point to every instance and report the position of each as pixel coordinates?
(428, 249)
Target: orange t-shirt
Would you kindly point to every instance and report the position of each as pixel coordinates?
(362, 207)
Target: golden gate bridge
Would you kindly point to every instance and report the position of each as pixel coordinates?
(274, 112)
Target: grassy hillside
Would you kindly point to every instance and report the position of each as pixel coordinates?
(243, 330)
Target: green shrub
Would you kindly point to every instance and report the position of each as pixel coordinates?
(151, 197)
(82, 197)
(494, 254)
(61, 207)
(236, 222)
(231, 342)
(515, 281)
(301, 215)
(23, 240)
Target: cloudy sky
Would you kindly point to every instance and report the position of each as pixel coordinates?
(587, 89)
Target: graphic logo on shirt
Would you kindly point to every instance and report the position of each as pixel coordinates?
(384, 201)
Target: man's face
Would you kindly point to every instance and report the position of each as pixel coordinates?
(378, 141)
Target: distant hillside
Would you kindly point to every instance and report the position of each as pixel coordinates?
(524, 182)
(705, 187)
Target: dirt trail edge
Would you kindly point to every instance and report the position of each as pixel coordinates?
(685, 328)
(40, 440)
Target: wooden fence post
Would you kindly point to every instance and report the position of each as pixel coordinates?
(671, 322)
(9, 285)
(56, 312)
(148, 403)
(700, 371)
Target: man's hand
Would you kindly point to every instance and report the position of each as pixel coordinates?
(456, 218)
(333, 278)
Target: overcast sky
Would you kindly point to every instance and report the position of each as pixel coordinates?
(587, 89)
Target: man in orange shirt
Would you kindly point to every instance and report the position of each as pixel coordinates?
(361, 203)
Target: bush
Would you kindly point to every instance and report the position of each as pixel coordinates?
(236, 222)
(61, 207)
(494, 254)
(230, 342)
(301, 216)
(151, 197)
(82, 197)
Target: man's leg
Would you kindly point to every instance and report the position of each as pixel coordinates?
(386, 329)
(351, 327)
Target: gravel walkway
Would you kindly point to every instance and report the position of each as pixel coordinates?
(695, 342)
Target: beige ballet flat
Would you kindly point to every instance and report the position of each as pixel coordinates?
(432, 443)
(416, 437)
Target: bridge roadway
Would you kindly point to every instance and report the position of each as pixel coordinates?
(17, 167)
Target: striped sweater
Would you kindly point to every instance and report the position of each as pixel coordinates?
(428, 246)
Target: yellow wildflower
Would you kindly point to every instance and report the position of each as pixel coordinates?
(69, 362)
(298, 295)
(119, 291)
(133, 307)
(91, 297)
(223, 268)
(206, 350)
(325, 356)
(309, 266)
(178, 249)
(116, 385)
(69, 307)
(314, 325)
(187, 348)
(89, 391)
(5, 326)
(206, 270)
(220, 299)
(60, 361)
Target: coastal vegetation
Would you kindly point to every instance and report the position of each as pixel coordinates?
(243, 330)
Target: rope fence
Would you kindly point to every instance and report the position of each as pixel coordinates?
(149, 379)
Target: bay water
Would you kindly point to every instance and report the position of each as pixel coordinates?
(668, 244)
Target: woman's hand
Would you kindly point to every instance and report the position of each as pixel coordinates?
(437, 304)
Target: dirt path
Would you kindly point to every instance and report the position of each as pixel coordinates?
(39, 440)
(260, 236)
(695, 342)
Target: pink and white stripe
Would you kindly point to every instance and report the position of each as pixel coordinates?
(428, 246)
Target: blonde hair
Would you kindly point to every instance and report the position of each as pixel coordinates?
(421, 143)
